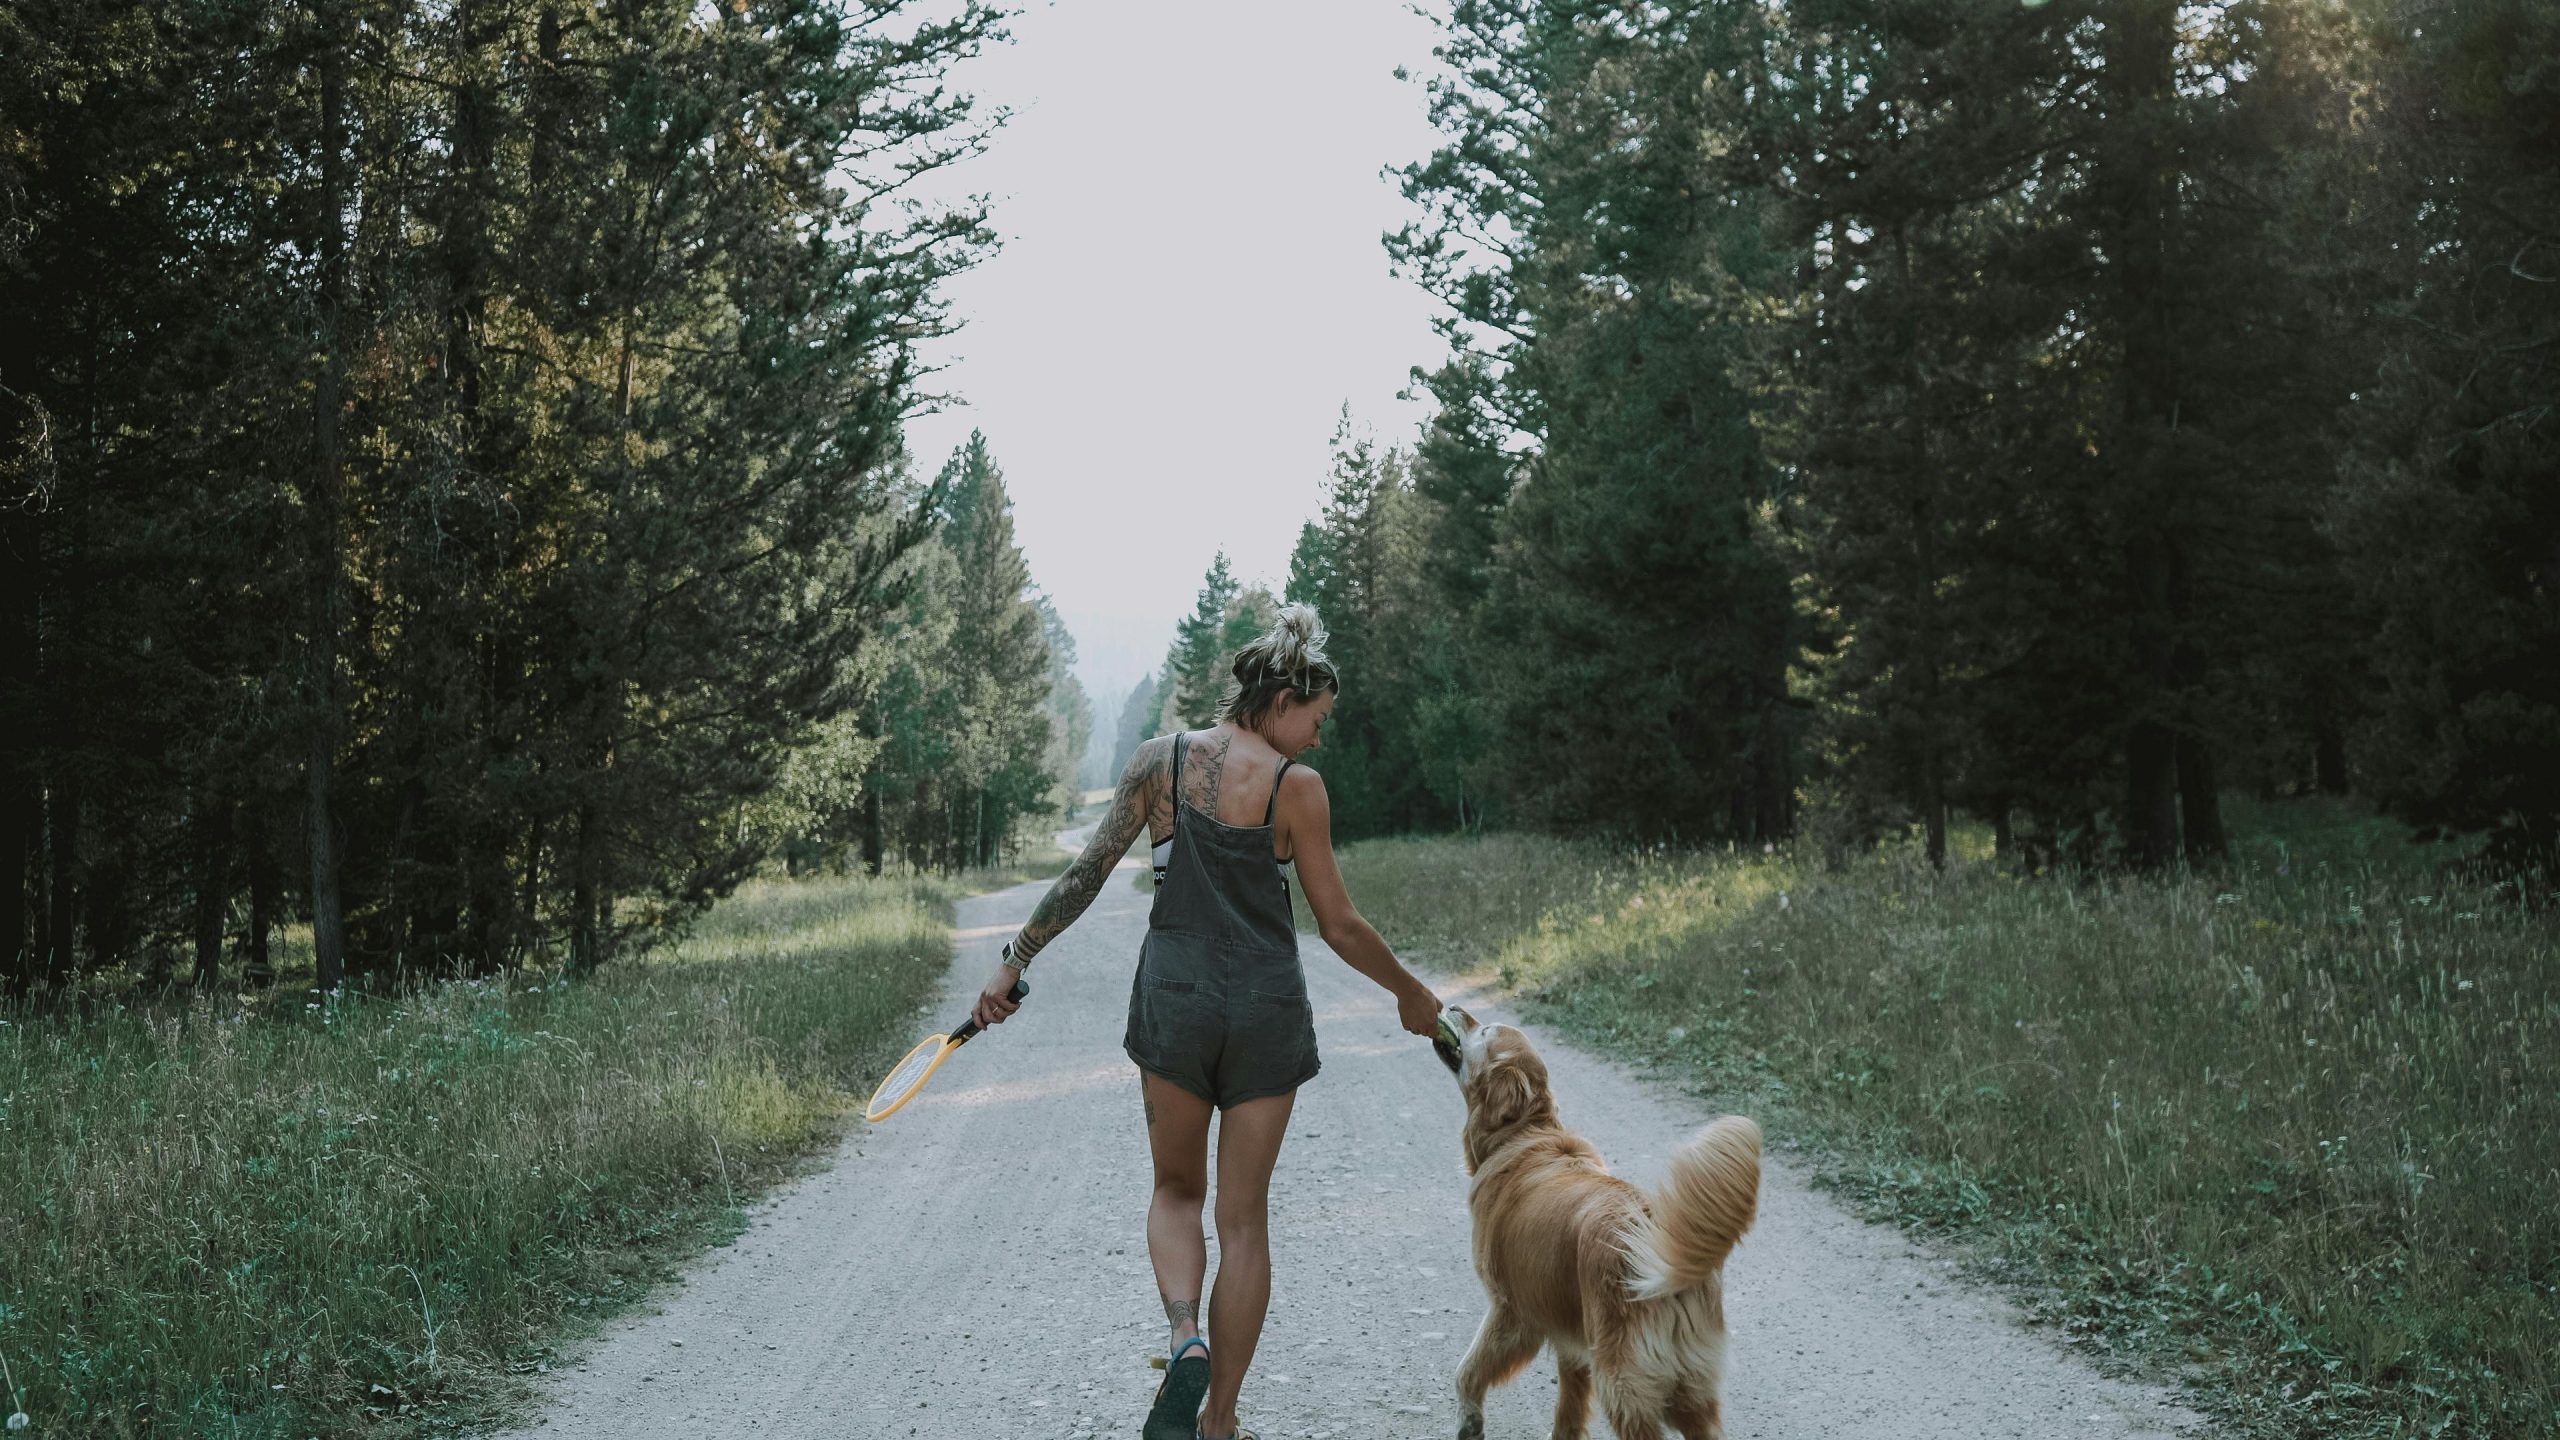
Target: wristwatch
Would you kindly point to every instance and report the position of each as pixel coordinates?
(1018, 962)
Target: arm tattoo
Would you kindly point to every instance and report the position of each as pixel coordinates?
(1074, 890)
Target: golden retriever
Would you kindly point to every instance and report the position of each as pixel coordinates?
(1627, 1287)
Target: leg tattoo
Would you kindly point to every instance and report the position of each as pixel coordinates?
(1179, 1314)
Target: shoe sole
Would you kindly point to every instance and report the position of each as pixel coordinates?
(1176, 1413)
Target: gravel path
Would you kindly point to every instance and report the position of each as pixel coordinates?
(976, 1265)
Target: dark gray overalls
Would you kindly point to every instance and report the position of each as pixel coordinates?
(1220, 1002)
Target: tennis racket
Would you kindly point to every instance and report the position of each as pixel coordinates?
(1447, 1043)
(908, 1075)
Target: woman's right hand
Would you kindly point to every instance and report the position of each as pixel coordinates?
(996, 1003)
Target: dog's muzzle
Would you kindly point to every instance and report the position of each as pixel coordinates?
(1448, 1039)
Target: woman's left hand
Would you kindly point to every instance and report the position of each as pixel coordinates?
(1419, 1010)
(996, 1002)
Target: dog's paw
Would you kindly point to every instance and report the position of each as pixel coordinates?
(1471, 1426)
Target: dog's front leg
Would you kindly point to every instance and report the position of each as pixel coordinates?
(1503, 1348)
(1573, 1397)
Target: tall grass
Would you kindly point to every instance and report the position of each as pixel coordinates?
(2296, 1122)
(220, 1220)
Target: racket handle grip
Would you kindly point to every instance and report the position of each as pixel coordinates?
(1021, 988)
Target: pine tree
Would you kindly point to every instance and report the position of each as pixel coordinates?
(1140, 718)
(1644, 622)
(2448, 513)
(1070, 711)
(1197, 664)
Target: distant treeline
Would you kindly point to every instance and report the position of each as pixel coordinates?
(452, 484)
(1862, 411)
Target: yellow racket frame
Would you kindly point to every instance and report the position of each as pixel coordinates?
(885, 1104)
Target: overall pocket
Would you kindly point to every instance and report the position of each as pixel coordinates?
(1282, 1021)
(1174, 1015)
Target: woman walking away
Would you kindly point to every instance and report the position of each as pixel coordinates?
(1218, 1015)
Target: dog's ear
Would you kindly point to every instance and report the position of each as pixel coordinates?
(1509, 1091)
(1504, 1097)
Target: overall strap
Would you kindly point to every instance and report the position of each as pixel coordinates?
(1271, 811)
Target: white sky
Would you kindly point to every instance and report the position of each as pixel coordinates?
(1190, 288)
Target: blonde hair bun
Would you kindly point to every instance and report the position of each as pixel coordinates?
(1297, 640)
(1289, 660)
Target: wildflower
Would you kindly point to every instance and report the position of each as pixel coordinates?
(2461, 984)
(18, 1420)
(1782, 900)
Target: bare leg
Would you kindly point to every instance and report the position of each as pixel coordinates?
(1573, 1398)
(1178, 1136)
(1503, 1348)
(1249, 1138)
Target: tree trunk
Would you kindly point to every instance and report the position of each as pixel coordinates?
(2151, 795)
(2200, 805)
(584, 939)
(871, 826)
(532, 903)
(2136, 193)
(109, 898)
(21, 804)
(62, 884)
(257, 966)
(2151, 745)
(1924, 561)
(328, 921)
(2329, 757)
(212, 825)
(20, 823)
(1774, 772)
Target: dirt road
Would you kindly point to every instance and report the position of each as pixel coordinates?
(976, 1266)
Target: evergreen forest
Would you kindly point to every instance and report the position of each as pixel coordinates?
(453, 481)
(1862, 413)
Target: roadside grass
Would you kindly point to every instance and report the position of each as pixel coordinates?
(2289, 1128)
(252, 1217)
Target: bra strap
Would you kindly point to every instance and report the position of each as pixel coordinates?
(1271, 811)
(1179, 737)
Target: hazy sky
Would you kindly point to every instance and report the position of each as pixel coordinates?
(1190, 288)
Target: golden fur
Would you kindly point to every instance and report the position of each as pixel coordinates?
(1626, 1287)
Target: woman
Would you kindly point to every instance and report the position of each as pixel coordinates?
(1218, 1015)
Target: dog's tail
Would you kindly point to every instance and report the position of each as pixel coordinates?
(1711, 1197)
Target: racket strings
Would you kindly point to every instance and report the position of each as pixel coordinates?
(909, 1074)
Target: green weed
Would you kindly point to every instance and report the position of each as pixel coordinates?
(271, 1219)
(2296, 1122)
